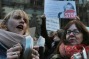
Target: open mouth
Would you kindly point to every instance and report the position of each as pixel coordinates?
(20, 27)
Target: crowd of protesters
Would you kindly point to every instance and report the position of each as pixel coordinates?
(71, 42)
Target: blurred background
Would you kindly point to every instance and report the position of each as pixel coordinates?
(35, 8)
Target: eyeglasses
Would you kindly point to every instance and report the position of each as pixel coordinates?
(75, 32)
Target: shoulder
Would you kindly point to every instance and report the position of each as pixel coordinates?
(61, 14)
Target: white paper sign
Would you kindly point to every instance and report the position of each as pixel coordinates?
(52, 24)
(62, 9)
(32, 31)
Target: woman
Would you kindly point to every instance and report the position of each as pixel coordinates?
(17, 21)
(73, 42)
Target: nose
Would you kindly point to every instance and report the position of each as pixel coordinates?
(22, 21)
(71, 34)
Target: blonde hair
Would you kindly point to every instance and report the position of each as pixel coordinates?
(21, 12)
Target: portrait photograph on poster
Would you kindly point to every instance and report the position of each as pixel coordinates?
(60, 9)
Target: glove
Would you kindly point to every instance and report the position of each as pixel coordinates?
(41, 41)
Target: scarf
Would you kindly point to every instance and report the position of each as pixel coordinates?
(71, 50)
(9, 39)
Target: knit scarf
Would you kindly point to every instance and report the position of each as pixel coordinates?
(71, 50)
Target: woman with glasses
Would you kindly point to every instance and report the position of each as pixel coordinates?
(74, 43)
